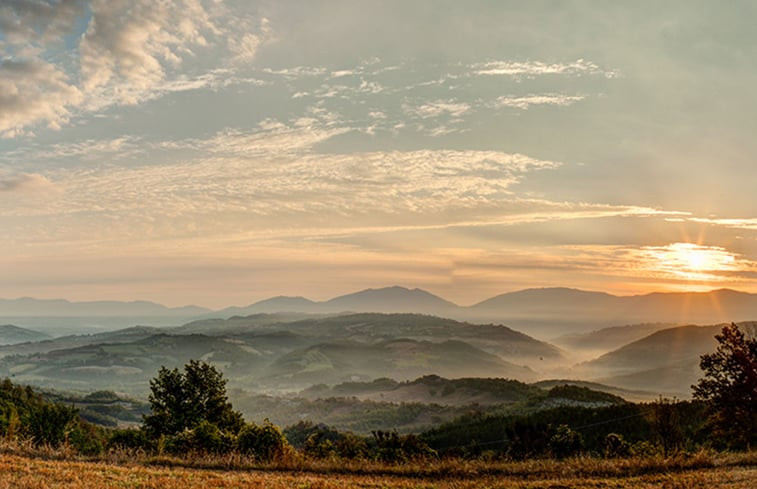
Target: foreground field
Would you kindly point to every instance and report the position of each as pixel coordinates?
(20, 472)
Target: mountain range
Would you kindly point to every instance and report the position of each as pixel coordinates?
(27, 306)
(543, 313)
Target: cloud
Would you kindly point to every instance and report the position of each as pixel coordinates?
(525, 102)
(87, 150)
(245, 45)
(24, 21)
(748, 223)
(437, 108)
(297, 71)
(62, 58)
(25, 183)
(539, 68)
(130, 43)
(33, 91)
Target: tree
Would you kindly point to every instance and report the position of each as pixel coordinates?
(666, 425)
(565, 442)
(182, 400)
(730, 386)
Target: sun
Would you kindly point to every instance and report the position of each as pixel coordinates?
(700, 258)
(692, 261)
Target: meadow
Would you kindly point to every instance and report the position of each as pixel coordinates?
(24, 467)
(20, 472)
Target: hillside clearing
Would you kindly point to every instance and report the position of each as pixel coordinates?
(19, 472)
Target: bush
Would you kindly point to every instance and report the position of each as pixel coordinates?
(47, 423)
(207, 437)
(394, 448)
(615, 446)
(130, 439)
(85, 438)
(565, 442)
(352, 446)
(319, 447)
(264, 442)
(644, 449)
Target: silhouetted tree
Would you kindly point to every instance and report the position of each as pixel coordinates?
(730, 385)
(182, 400)
(666, 426)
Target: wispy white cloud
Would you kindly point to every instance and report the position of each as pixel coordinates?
(274, 175)
(747, 223)
(437, 108)
(295, 72)
(525, 102)
(87, 150)
(538, 68)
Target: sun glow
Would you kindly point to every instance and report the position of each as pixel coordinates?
(692, 261)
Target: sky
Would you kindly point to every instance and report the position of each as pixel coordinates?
(221, 152)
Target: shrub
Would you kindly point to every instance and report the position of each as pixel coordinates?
(264, 442)
(565, 442)
(615, 446)
(318, 447)
(352, 446)
(132, 439)
(644, 449)
(393, 448)
(47, 423)
(85, 438)
(207, 437)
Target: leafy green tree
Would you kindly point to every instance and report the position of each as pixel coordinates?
(182, 400)
(730, 385)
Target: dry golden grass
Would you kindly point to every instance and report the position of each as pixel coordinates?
(23, 472)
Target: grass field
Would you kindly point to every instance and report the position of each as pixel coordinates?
(20, 472)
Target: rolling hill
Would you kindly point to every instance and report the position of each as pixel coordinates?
(666, 361)
(371, 327)
(607, 339)
(399, 359)
(485, 391)
(276, 352)
(72, 341)
(412, 405)
(11, 335)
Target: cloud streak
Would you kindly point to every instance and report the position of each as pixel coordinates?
(527, 101)
(539, 68)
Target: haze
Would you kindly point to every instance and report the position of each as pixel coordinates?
(218, 153)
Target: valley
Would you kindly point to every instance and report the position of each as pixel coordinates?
(372, 370)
